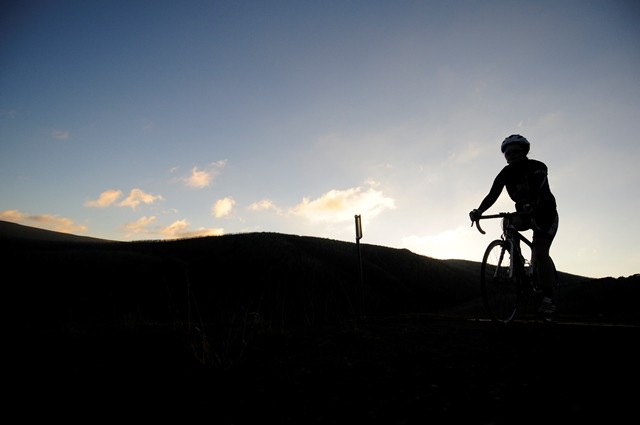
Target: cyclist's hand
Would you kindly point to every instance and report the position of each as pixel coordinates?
(474, 215)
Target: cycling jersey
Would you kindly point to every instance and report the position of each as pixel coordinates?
(526, 182)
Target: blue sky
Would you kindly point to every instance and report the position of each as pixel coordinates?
(132, 120)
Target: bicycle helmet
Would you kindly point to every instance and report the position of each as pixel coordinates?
(515, 139)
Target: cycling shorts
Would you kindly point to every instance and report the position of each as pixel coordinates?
(545, 228)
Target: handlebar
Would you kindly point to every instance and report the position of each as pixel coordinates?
(477, 223)
(498, 215)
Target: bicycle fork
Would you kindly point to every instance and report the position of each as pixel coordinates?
(496, 272)
(512, 255)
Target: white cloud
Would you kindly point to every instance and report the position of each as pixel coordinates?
(137, 196)
(106, 198)
(13, 216)
(140, 226)
(222, 207)
(264, 205)
(44, 221)
(201, 178)
(338, 206)
(176, 230)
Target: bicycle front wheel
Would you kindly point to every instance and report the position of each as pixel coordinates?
(500, 291)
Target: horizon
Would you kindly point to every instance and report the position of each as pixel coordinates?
(138, 120)
(273, 233)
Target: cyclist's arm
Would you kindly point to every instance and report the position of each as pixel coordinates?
(494, 193)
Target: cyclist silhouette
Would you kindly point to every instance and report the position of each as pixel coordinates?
(527, 184)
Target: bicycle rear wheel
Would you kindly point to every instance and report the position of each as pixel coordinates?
(500, 292)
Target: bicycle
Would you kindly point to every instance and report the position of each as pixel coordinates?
(508, 280)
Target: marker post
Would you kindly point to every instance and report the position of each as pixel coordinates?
(361, 281)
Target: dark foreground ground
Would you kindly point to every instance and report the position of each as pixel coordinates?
(402, 370)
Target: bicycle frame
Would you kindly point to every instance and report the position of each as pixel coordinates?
(506, 282)
(510, 234)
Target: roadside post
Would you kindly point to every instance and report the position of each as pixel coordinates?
(361, 281)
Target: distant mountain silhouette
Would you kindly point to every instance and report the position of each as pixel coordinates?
(9, 230)
(274, 279)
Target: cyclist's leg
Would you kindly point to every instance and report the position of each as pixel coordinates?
(544, 264)
(542, 239)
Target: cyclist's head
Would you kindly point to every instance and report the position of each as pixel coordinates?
(514, 148)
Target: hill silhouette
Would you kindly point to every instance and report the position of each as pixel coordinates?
(269, 325)
(15, 231)
(283, 279)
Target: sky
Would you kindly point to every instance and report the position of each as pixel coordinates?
(152, 120)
